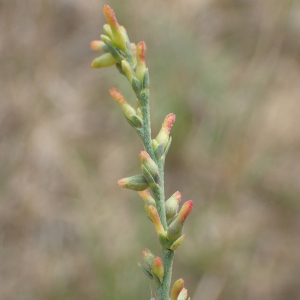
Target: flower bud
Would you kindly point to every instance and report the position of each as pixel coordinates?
(149, 164)
(126, 107)
(177, 287)
(172, 205)
(140, 57)
(118, 35)
(153, 214)
(158, 268)
(105, 60)
(106, 39)
(136, 183)
(99, 46)
(148, 258)
(108, 31)
(154, 144)
(133, 51)
(127, 69)
(164, 134)
(183, 294)
(175, 228)
(177, 243)
(147, 198)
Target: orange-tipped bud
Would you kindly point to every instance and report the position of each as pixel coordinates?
(177, 287)
(133, 51)
(164, 133)
(148, 258)
(126, 107)
(172, 205)
(136, 183)
(141, 52)
(105, 60)
(183, 294)
(118, 35)
(149, 163)
(127, 69)
(175, 228)
(158, 268)
(99, 46)
(153, 214)
(147, 198)
(185, 211)
(140, 57)
(110, 16)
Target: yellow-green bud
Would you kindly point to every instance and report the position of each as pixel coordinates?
(126, 107)
(172, 205)
(118, 35)
(136, 183)
(127, 69)
(175, 228)
(177, 287)
(158, 268)
(105, 60)
(141, 64)
(164, 133)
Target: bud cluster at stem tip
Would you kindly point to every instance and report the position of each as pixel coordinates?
(118, 35)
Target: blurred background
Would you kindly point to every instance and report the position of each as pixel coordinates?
(229, 70)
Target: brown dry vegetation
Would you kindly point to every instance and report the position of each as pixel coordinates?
(229, 70)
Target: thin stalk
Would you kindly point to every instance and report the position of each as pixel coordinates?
(163, 290)
(146, 130)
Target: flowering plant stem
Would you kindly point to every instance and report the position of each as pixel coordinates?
(130, 61)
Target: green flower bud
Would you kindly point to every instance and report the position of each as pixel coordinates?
(164, 134)
(126, 107)
(175, 228)
(149, 164)
(136, 183)
(148, 258)
(105, 60)
(172, 205)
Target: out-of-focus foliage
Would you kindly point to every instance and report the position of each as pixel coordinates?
(229, 70)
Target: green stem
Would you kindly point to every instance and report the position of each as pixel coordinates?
(146, 130)
(163, 289)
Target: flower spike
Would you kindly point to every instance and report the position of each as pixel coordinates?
(129, 60)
